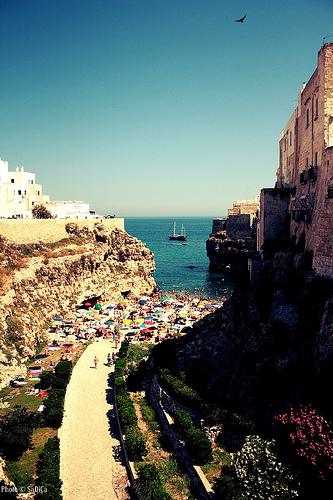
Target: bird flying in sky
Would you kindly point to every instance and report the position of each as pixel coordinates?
(241, 20)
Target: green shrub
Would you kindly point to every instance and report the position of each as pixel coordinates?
(54, 407)
(198, 445)
(57, 382)
(48, 471)
(45, 380)
(235, 429)
(196, 440)
(126, 410)
(63, 370)
(149, 415)
(149, 485)
(120, 386)
(135, 443)
(183, 421)
(16, 432)
(227, 486)
(179, 390)
(120, 367)
(137, 352)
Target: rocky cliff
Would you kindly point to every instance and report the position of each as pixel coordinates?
(269, 347)
(229, 255)
(38, 281)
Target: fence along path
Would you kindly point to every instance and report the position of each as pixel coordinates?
(88, 467)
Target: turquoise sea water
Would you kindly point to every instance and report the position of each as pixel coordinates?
(172, 258)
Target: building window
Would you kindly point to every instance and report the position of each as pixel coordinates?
(316, 159)
(19, 191)
(291, 138)
(307, 163)
(12, 181)
(25, 193)
(38, 192)
(316, 108)
(32, 203)
(307, 118)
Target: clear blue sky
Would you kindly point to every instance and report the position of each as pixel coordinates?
(153, 107)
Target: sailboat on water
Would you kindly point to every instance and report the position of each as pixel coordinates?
(178, 237)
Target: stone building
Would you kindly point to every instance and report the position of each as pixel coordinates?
(306, 171)
(245, 207)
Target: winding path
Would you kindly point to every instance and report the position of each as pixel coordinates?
(89, 468)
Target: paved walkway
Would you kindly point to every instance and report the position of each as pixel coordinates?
(88, 464)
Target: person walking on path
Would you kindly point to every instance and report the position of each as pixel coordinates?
(95, 361)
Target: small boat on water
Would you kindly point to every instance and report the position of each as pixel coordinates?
(178, 237)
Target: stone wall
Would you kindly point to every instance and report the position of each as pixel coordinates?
(49, 230)
(198, 481)
(238, 227)
(273, 214)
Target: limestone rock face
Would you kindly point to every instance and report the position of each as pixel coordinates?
(54, 278)
(228, 255)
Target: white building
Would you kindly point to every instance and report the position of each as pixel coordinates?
(70, 210)
(19, 193)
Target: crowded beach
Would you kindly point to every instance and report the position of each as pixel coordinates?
(145, 319)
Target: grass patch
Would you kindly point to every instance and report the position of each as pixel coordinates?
(213, 469)
(22, 471)
(17, 397)
(138, 352)
(149, 415)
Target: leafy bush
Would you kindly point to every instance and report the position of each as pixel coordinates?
(235, 430)
(57, 382)
(48, 471)
(45, 380)
(120, 367)
(54, 407)
(126, 410)
(120, 385)
(63, 370)
(183, 421)
(134, 439)
(135, 443)
(16, 432)
(261, 474)
(196, 440)
(179, 390)
(198, 445)
(149, 485)
(227, 487)
(149, 415)
(137, 352)
(41, 212)
(310, 436)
